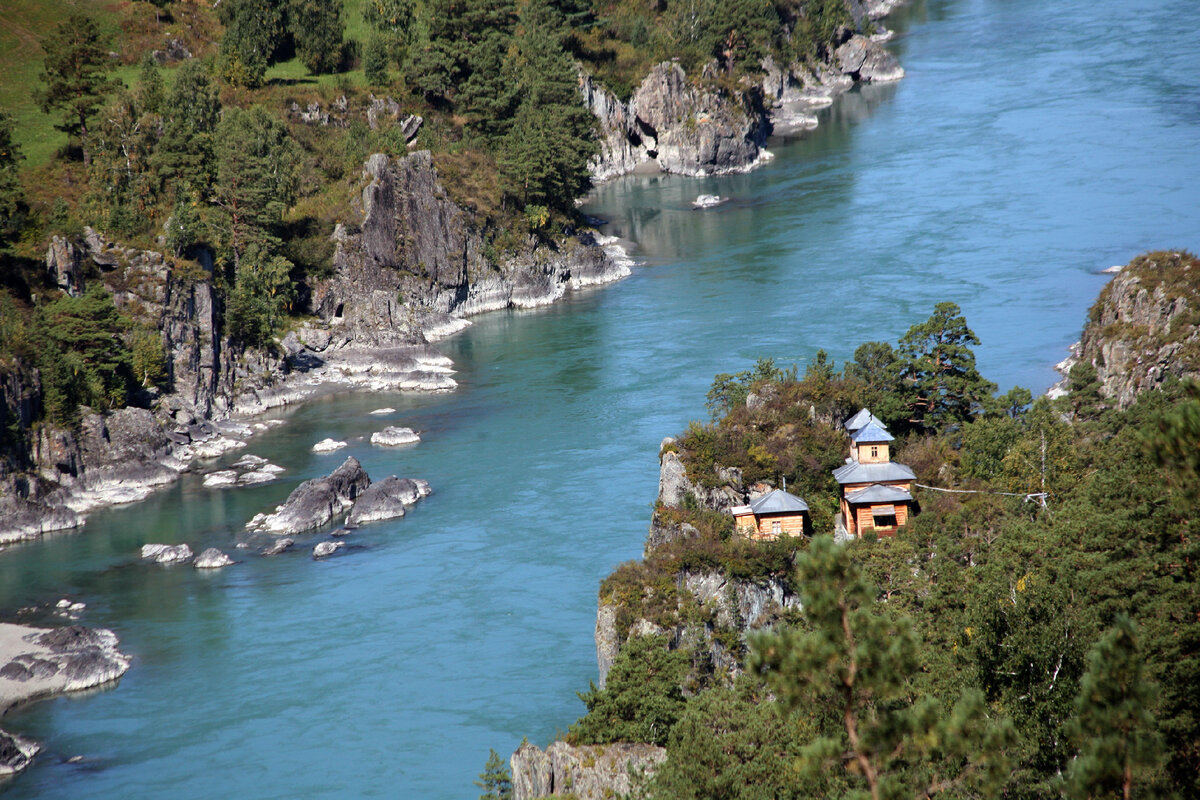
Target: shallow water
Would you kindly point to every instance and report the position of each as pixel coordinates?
(1029, 147)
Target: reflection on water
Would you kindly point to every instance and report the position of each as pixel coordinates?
(1025, 149)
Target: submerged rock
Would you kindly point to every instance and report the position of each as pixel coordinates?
(166, 554)
(327, 549)
(212, 558)
(708, 201)
(263, 475)
(392, 436)
(15, 753)
(316, 502)
(278, 546)
(381, 411)
(386, 499)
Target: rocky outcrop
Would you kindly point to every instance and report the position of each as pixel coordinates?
(1145, 326)
(589, 772)
(733, 608)
(681, 124)
(677, 490)
(316, 502)
(866, 61)
(387, 499)
(420, 262)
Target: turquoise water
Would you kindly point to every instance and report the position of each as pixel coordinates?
(1028, 147)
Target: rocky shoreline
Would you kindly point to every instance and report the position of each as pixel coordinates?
(45, 662)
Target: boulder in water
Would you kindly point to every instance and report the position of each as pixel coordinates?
(386, 499)
(327, 548)
(278, 546)
(327, 446)
(316, 502)
(392, 436)
(166, 554)
(211, 559)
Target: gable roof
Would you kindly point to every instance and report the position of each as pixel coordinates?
(871, 432)
(859, 420)
(778, 502)
(878, 493)
(856, 472)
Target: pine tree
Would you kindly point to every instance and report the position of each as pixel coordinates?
(495, 780)
(12, 195)
(75, 76)
(185, 151)
(317, 29)
(252, 33)
(641, 699)
(938, 372)
(1113, 723)
(257, 174)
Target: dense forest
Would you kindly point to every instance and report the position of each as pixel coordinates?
(206, 150)
(997, 646)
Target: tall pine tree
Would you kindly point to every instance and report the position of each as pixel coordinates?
(75, 77)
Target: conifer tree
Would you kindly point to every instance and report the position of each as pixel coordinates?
(185, 151)
(252, 32)
(942, 385)
(75, 77)
(317, 29)
(495, 780)
(12, 196)
(856, 661)
(1113, 724)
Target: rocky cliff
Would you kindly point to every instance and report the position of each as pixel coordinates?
(1145, 326)
(591, 772)
(705, 611)
(686, 125)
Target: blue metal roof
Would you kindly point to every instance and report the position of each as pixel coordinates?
(871, 432)
(878, 493)
(778, 502)
(856, 472)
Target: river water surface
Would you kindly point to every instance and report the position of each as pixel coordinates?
(1031, 144)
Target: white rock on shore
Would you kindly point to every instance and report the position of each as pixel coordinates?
(392, 436)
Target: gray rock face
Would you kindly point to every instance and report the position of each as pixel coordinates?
(416, 243)
(316, 502)
(166, 554)
(63, 265)
(386, 499)
(1140, 332)
(690, 130)
(674, 486)
(212, 558)
(866, 61)
(592, 772)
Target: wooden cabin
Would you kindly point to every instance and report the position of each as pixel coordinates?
(776, 513)
(876, 492)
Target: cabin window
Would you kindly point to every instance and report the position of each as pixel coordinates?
(874, 451)
(885, 522)
(776, 527)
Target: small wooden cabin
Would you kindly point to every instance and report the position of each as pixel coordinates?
(876, 491)
(776, 513)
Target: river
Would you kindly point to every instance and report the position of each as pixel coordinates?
(1031, 145)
